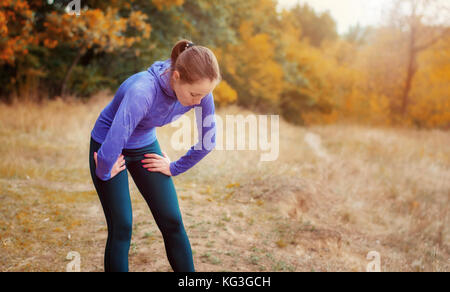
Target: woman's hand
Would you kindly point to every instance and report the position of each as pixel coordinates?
(155, 162)
(117, 167)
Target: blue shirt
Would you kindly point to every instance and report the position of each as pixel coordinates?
(143, 102)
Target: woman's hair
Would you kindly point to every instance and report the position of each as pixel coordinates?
(194, 62)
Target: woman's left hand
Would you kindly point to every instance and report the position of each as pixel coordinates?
(155, 162)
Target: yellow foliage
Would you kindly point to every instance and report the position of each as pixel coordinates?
(431, 87)
(224, 94)
(251, 64)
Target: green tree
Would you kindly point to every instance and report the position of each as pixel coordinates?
(315, 27)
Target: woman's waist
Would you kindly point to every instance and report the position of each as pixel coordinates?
(141, 140)
(138, 139)
(136, 154)
(135, 150)
(141, 150)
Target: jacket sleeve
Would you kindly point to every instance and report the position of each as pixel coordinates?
(133, 108)
(206, 128)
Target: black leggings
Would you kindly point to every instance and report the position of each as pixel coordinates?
(158, 191)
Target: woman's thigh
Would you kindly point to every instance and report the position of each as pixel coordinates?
(157, 189)
(114, 193)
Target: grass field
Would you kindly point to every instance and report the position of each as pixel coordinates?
(334, 194)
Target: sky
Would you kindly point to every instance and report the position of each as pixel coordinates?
(369, 12)
(345, 12)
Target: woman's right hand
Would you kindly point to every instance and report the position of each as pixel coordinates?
(118, 166)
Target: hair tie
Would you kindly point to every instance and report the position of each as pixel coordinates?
(188, 45)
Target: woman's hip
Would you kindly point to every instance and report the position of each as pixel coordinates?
(132, 154)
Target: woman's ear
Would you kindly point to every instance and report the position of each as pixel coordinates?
(175, 75)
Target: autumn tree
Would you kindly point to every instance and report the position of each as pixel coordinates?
(16, 30)
(316, 27)
(424, 22)
(97, 29)
(430, 91)
(252, 70)
(17, 37)
(249, 61)
(310, 76)
(205, 21)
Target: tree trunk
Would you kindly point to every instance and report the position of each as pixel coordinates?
(63, 90)
(411, 71)
(412, 67)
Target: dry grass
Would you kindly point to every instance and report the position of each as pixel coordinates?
(334, 194)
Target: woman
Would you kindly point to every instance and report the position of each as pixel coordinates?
(124, 137)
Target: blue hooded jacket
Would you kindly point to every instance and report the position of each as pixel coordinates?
(143, 102)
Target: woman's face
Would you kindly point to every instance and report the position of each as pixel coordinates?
(191, 94)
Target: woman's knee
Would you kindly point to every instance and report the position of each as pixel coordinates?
(122, 230)
(172, 225)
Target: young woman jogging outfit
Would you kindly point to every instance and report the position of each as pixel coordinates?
(124, 138)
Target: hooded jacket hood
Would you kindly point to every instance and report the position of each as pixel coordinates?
(157, 70)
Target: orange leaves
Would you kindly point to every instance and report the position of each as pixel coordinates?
(129, 41)
(50, 43)
(3, 24)
(7, 53)
(20, 4)
(91, 18)
(137, 20)
(15, 38)
(102, 29)
(165, 4)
